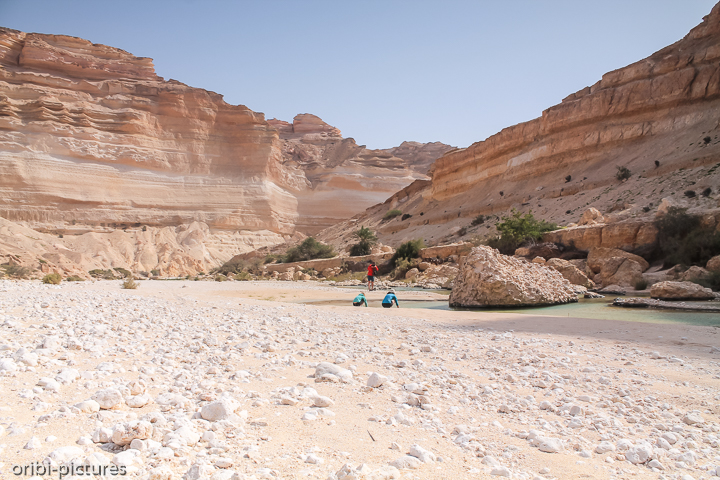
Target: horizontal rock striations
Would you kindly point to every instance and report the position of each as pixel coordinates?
(346, 178)
(91, 134)
(658, 118)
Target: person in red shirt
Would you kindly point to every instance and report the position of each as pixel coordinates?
(371, 272)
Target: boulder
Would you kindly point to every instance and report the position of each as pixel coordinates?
(412, 273)
(620, 271)
(545, 250)
(591, 216)
(422, 266)
(487, 278)
(680, 291)
(571, 273)
(598, 256)
(694, 273)
(713, 265)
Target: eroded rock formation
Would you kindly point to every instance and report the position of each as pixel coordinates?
(346, 178)
(659, 118)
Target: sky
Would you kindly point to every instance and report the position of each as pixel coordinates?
(382, 71)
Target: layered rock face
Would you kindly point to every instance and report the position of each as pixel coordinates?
(91, 134)
(346, 178)
(488, 278)
(659, 118)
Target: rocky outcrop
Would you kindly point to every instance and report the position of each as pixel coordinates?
(90, 135)
(598, 257)
(629, 235)
(345, 178)
(443, 252)
(655, 117)
(680, 291)
(571, 273)
(713, 265)
(490, 279)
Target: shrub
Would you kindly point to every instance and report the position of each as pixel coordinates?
(568, 178)
(309, 249)
(518, 229)
(74, 278)
(154, 272)
(220, 278)
(407, 251)
(272, 258)
(367, 239)
(392, 214)
(706, 192)
(405, 216)
(129, 284)
(479, 220)
(16, 271)
(52, 278)
(683, 240)
(712, 281)
(623, 173)
(144, 228)
(243, 276)
(462, 231)
(100, 273)
(641, 284)
(124, 272)
(689, 193)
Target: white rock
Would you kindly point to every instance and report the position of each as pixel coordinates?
(108, 398)
(375, 380)
(220, 409)
(406, 461)
(8, 365)
(138, 401)
(84, 441)
(321, 401)
(32, 444)
(500, 471)
(88, 406)
(63, 455)
(102, 435)
(126, 458)
(425, 456)
(161, 473)
(550, 445)
(124, 433)
(313, 459)
(604, 447)
(49, 384)
(199, 471)
(691, 418)
(325, 368)
(640, 453)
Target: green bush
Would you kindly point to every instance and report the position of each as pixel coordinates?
(518, 229)
(479, 220)
(392, 214)
(407, 251)
(220, 278)
(309, 249)
(129, 284)
(154, 272)
(683, 240)
(52, 278)
(100, 273)
(16, 271)
(74, 278)
(367, 239)
(243, 276)
(623, 173)
(124, 272)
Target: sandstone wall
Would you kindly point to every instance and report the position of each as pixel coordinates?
(90, 134)
(659, 117)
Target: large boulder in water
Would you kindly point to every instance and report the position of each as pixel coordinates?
(489, 279)
(680, 291)
(571, 273)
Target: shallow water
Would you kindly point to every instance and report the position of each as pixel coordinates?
(595, 308)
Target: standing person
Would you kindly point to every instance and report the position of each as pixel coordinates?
(388, 300)
(371, 272)
(359, 300)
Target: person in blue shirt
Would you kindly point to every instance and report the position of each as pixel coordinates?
(359, 300)
(389, 298)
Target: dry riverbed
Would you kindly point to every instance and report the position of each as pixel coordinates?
(207, 380)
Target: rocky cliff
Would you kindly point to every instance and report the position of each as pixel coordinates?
(659, 118)
(92, 141)
(346, 178)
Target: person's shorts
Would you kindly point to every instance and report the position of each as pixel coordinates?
(357, 304)
(371, 278)
(387, 305)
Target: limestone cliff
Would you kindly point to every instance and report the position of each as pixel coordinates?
(659, 118)
(346, 178)
(89, 134)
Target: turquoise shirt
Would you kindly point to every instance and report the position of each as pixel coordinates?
(360, 299)
(388, 300)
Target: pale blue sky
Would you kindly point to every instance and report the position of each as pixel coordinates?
(381, 71)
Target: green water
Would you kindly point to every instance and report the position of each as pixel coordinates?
(595, 308)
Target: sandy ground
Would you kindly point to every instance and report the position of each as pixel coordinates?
(481, 395)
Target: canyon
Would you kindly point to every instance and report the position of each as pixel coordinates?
(96, 148)
(659, 118)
